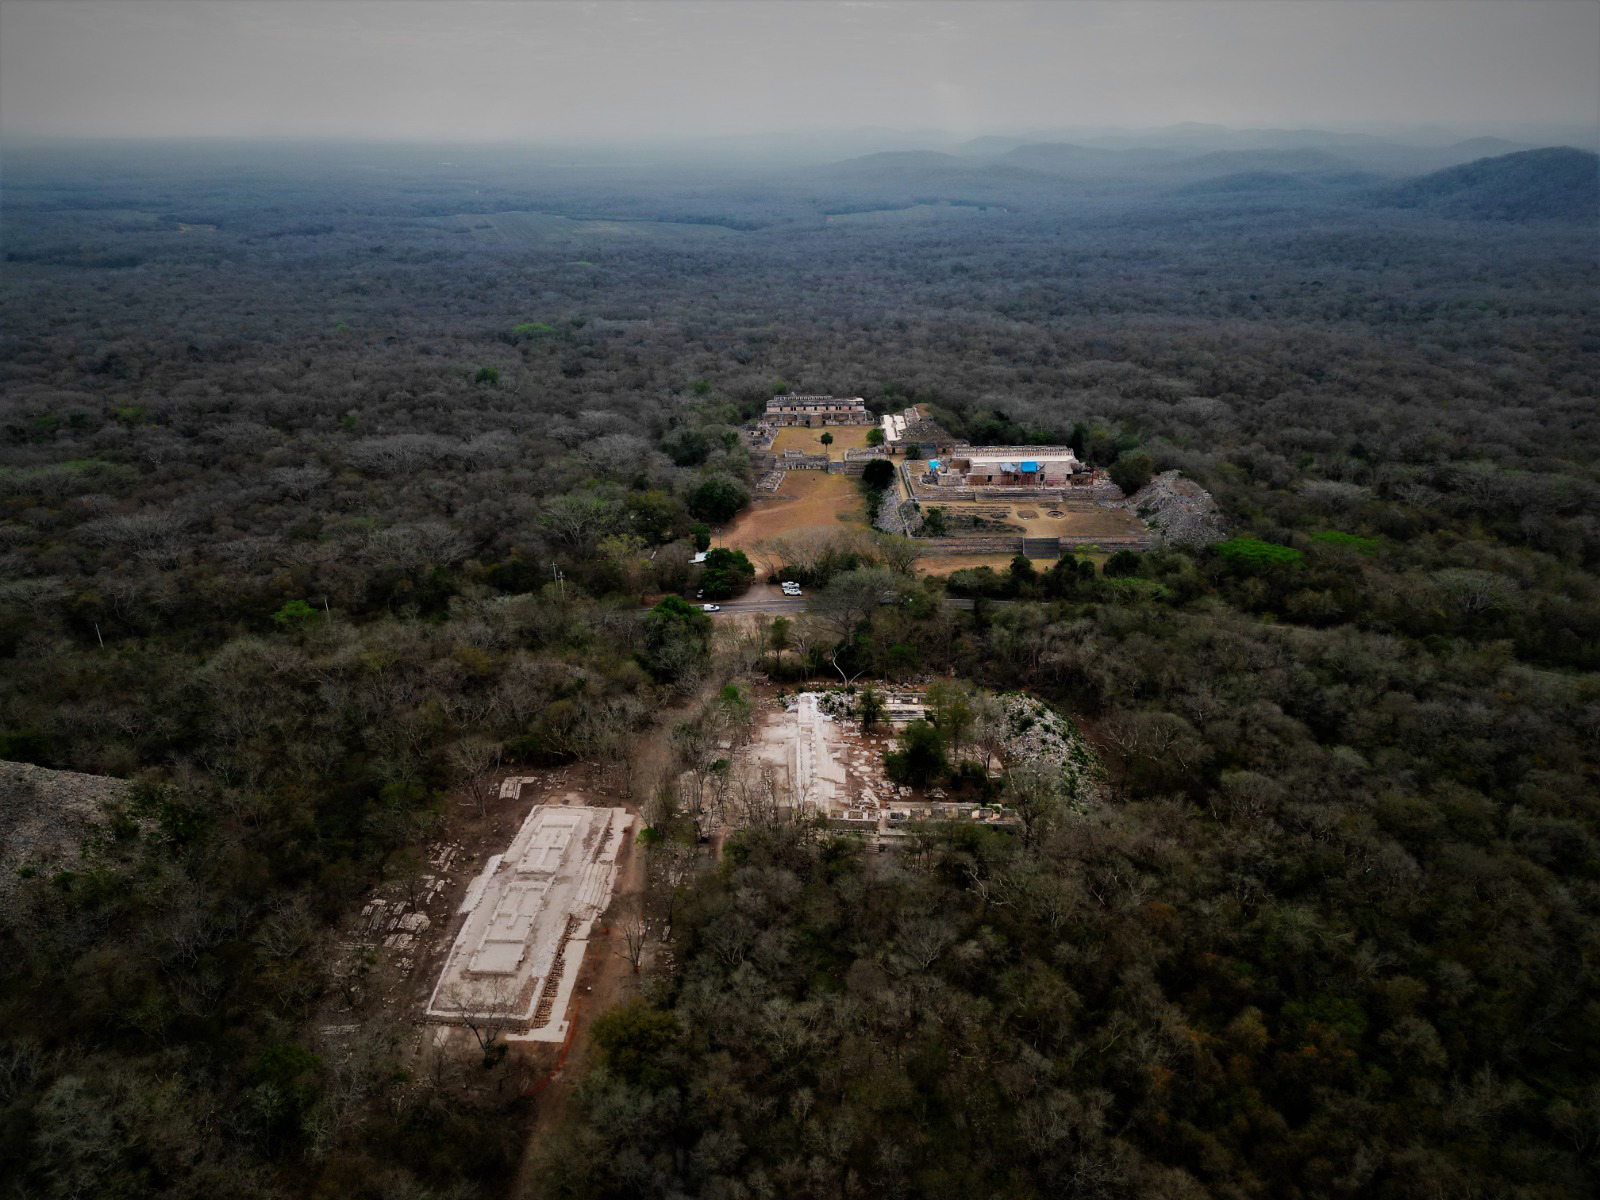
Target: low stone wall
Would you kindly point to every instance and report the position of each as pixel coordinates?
(802, 462)
(976, 543)
(1012, 544)
(899, 516)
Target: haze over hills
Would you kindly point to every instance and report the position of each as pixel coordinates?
(1554, 183)
(1557, 183)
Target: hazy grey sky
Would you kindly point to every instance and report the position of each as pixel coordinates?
(426, 69)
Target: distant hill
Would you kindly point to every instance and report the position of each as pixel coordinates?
(1557, 183)
(925, 168)
(989, 144)
(1069, 158)
(1233, 162)
(897, 178)
(1247, 182)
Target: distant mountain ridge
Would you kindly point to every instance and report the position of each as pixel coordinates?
(1555, 183)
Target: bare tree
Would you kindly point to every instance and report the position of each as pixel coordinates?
(488, 1007)
(630, 923)
(671, 864)
(474, 760)
(899, 554)
(1035, 791)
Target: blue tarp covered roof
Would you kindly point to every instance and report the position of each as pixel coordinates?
(1030, 466)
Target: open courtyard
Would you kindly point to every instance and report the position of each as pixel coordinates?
(809, 441)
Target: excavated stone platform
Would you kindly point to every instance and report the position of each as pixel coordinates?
(528, 917)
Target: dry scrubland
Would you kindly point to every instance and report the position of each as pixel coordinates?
(280, 509)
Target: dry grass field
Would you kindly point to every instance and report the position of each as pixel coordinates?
(807, 499)
(944, 564)
(845, 437)
(1099, 522)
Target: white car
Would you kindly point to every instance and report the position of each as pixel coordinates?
(711, 607)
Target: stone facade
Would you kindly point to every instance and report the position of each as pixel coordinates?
(814, 412)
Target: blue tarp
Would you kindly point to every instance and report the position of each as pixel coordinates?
(1030, 466)
(933, 463)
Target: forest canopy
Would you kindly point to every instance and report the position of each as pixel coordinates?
(328, 492)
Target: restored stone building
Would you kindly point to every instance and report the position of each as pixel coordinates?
(816, 411)
(914, 433)
(1008, 467)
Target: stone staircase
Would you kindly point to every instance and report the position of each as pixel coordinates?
(547, 995)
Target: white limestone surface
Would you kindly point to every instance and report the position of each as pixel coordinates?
(527, 917)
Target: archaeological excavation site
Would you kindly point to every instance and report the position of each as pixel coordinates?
(526, 921)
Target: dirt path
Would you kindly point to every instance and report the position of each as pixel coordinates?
(605, 979)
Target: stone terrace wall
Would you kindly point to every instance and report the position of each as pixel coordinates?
(1012, 543)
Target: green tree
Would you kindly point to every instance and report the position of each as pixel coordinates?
(869, 706)
(875, 436)
(1061, 580)
(1123, 563)
(933, 523)
(1022, 574)
(877, 475)
(1132, 471)
(296, 614)
(1252, 554)
(701, 533)
(486, 375)
(634, 1040)
(677, 636)
(718, 498)
(953, 715)
(654, 515)
(686, 447)
(826, 439)
(725, 573)
(920, 760)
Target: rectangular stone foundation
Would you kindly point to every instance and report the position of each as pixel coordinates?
(528, 917)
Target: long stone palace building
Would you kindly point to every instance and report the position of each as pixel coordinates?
(816, 411)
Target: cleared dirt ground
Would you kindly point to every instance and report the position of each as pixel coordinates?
(845, 437)
(943, 564)
(1100, 522)
(807, 499)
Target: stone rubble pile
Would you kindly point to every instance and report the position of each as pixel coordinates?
(1179, 510)
(1037, 733)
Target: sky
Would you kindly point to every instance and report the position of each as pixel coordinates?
(630, 70)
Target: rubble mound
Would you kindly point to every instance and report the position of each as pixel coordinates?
(1035, 732)
(45, 815)
(1179, 510)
